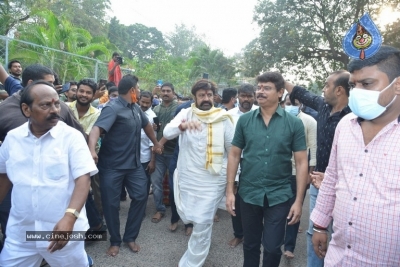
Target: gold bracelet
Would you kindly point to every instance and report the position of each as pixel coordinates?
(230, 181)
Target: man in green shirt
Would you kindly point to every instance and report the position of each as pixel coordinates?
(165, 113)
(268, 137)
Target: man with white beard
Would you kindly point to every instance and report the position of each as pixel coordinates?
(205, 135)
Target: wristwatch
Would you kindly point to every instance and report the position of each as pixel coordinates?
(74, 212)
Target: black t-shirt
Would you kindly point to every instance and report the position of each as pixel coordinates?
(326, 123)
(120, 147)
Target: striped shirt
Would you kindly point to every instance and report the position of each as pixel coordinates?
(361, 192)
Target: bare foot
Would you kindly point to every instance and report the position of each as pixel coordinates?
(113, 251)
(173, 227)
(234, 242)
(133, 246)
(216, 218)
(289, 254)
(189, 231)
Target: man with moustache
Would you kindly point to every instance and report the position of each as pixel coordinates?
(360, 190)
(165, 113)
(11, 116)
(205, 135)
(246, 96)
(268, 137)
(49, 165)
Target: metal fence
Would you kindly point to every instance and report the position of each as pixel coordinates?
(68, 66)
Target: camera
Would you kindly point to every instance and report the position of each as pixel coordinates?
(120, 60)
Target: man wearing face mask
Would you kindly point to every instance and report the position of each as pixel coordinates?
(361, 186)
(119, 162)
(331, 109)
(246, 96)
(310, 130)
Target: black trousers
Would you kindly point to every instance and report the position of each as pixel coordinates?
(292, 230)
(267, 225)
(136, 183)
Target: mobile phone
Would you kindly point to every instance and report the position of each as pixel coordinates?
(205, 75)
(157, 122)
(103, 81)
(65, 87)
(159, 82)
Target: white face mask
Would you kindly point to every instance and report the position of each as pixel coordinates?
(294, 110)
(364, 103)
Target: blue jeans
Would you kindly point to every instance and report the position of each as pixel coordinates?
(312, 258)
(111, 182)
(162, 164)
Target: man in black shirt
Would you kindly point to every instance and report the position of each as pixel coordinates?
(331, 109)
(119, 162)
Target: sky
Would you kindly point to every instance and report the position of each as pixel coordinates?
(227, 25)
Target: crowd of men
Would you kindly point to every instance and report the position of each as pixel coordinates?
(70, 154)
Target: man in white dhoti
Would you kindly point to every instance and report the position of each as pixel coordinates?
(205, 135)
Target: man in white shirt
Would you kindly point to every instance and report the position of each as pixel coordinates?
(147, 158)
(246, 96)
(310, 130)
(49, 165)
(205, 135)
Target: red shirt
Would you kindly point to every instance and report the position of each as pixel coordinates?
(117, 73)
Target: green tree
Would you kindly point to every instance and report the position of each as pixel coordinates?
(144, 41)
(13, 13)
(167, 68)
(253, 59)
(304, 37)
(212, 61)
(48, 30)
(118, 35)
(87, 14)
(183, 41)
(136, 40)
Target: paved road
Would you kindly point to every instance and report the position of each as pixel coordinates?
(161, 248)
